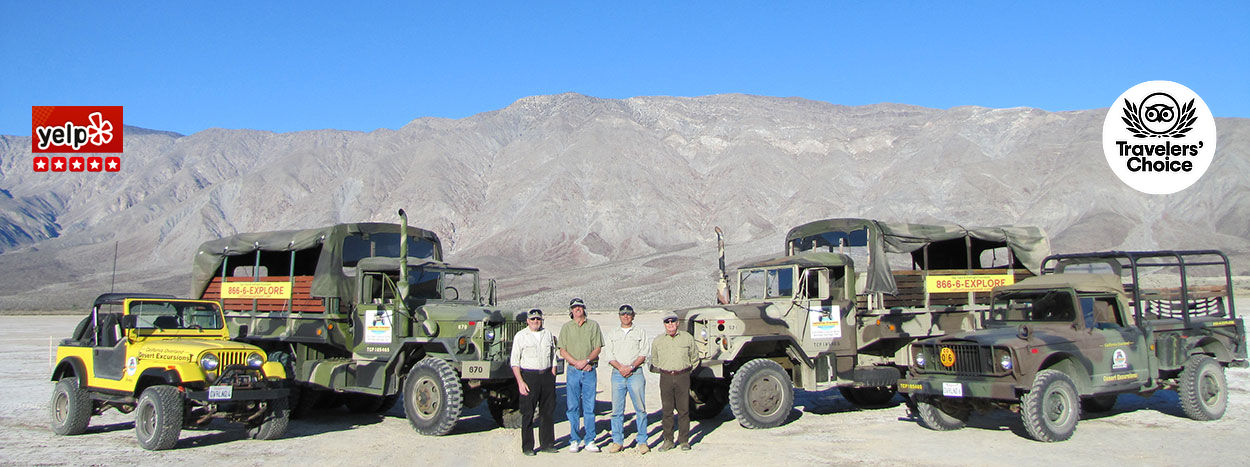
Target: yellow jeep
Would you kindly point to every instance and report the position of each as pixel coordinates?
(169, 360)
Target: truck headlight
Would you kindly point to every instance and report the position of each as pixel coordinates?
(1005, 362)
(703, 333)
(255, 360)
(489, 335)
(209, 362)
(920, 360)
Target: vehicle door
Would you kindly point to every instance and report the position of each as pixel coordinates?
(1116, 349)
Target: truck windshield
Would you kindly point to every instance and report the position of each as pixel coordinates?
(160, 314)
(356, 247)
(1050, 305)
(756, 284)
(442, 284)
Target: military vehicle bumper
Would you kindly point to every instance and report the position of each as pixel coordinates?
(485, 369)
(960, 386)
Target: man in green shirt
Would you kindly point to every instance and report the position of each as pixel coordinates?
(673, 355)
(580, 342)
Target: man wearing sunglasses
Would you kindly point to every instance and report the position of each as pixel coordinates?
(580, 342)
(625, 349)
(673, 355)
(533, 364)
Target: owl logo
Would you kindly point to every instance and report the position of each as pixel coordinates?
(1159, 116)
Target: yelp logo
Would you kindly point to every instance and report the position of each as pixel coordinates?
(76, 129)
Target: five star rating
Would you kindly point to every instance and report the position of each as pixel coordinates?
(77, 164)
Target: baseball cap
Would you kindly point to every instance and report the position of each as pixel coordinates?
(535, 313)
(626, 309)
(577, 302)
(670, 315)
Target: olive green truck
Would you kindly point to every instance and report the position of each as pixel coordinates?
(365, 314)
(840, 308)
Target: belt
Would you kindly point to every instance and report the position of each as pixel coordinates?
(527, 370)
(673, 372)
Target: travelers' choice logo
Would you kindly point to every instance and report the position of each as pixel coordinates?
(76, 129)
(1159, 137)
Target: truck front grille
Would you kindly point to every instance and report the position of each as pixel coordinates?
(970, 359)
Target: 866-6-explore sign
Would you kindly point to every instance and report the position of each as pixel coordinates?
(257, 290)
(967, 283)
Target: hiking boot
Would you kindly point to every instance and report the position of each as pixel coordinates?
(643, 448)
(666, 446)
(614, 448)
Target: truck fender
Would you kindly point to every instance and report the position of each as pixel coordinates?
(1209, 346)
(71, 366)
(1076, 370)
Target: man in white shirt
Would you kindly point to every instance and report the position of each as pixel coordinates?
(533, 364)
(625, 349)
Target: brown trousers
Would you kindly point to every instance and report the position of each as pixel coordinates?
(675, 394)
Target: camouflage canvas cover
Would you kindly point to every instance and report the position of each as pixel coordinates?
(1029, 245)
(328, 280)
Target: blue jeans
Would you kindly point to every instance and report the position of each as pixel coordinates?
(579, 392)
(634, 385)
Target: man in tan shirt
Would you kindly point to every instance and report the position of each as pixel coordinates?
(625, 349)
(533, 364)
(673, 355)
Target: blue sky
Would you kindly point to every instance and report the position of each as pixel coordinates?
(283, 66)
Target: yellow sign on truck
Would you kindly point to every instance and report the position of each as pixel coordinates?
(967, 283)
(256, 290)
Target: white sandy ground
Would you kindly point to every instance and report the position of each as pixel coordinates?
(823, 429)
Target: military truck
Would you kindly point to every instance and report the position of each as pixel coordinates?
(364, 313)
(815, 318)
(171, 362)
(1066, 342)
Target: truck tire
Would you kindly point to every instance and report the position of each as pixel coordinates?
(938, 415)
(1203, 390)
(761, 394)
(1099, 404)
(505, 406)
(1051, 408)
(70, 407)
(158, 417)
(708, 398)
(868, 398)
(273, 424)
(432, 397)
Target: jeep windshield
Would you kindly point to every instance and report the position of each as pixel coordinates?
(161, 314)
(442, 284)
(766, 283)
(1041, 305)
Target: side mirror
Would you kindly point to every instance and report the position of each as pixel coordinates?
(490, 292)
(130, 321)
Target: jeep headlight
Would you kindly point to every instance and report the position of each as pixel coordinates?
(255, 360)
(920, 360)
(1005, 362)
(208, 362)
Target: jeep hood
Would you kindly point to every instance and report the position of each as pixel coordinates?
(189, 350)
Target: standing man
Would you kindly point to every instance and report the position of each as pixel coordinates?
(673, 355)
(580, 343)
(533, 364)
(626, 349)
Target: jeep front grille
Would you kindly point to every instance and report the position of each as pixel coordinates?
(970, 359)
(230, 358)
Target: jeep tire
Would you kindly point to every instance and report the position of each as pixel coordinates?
(1203, 389)
(70, 407)
(939, 415)
(870, 397)
(1051, 408)
(158, 417)
(761, 394)
(432, 399)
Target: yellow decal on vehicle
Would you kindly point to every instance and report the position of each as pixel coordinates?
(1115, 344)
(1119, 377)
(257, 290)
(909, 387)
(967, 283)
(947, 356)
(1223, 323)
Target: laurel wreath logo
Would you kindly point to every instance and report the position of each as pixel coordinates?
(1132, 118)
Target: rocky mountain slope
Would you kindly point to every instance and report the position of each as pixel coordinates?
(613, 200)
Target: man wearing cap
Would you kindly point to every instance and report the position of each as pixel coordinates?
(673, 355)
(533, 364)
(625, 349)
(580, 342)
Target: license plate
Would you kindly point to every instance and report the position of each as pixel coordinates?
(475, 370)
(952, 390)
(220, 392)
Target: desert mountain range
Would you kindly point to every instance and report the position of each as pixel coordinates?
(611, 200)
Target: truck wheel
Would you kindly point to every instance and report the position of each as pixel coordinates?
(868, 398)
(1051, 408)
(273, 423)
(432, 397)
(1099, 404)
(158, 417)
(1203, 389)
(761, 394)
(707, 398)
(505, 406)
(70, 407)
(938, 415)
